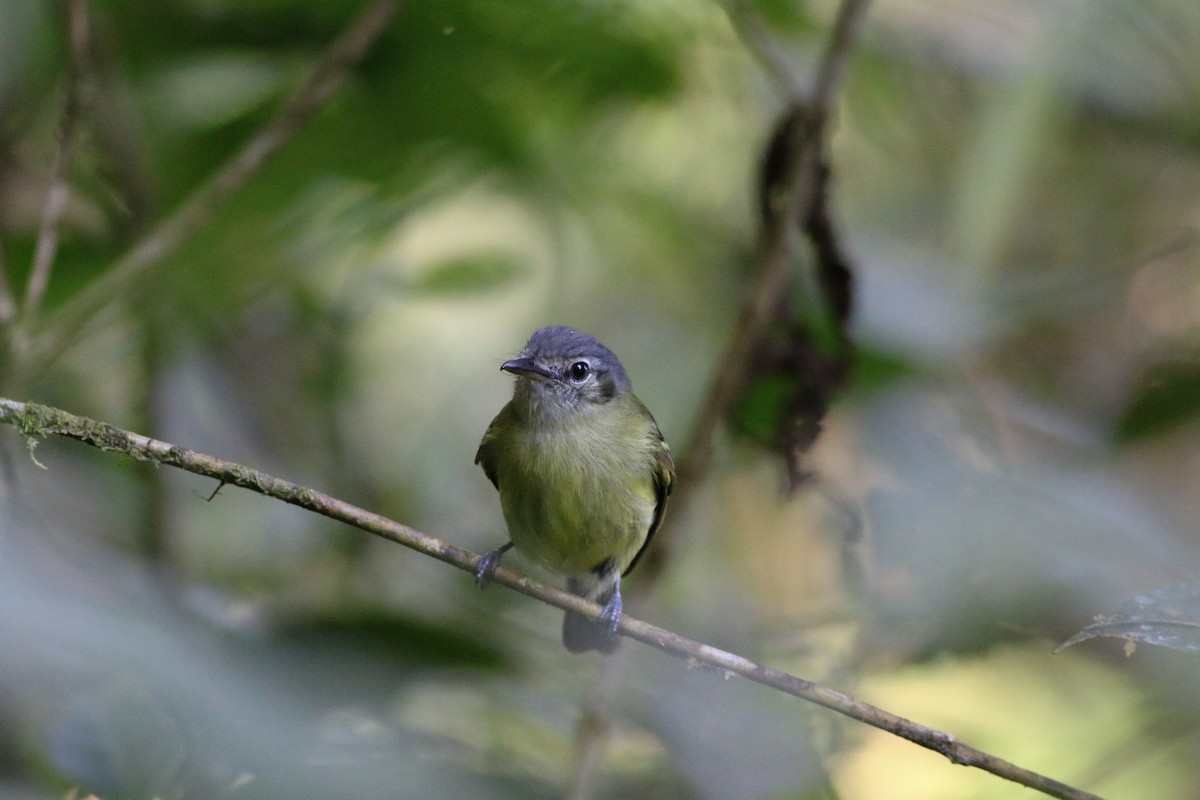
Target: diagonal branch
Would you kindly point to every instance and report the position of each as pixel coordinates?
(58, 192)
(802, 199)
(803, 194)
(34, 420)
(326, 76)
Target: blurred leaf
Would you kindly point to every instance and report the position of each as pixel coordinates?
(765, 407)
(783, 16)
(214, 89)
(472, 273)
(1168, 617)
(394, 636)
(23, 34)
(1169, 396)
(875, 370)
(793, 380)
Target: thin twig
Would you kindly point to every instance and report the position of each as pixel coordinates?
(114, 121)
(799, 202)
(8, 301)
(832, 66)
(594, 728)
(34, 420)
(326, 76)
(58, 192)
(750, 27)
(803, 201)
(729, 379)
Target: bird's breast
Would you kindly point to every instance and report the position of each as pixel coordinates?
(576, 496)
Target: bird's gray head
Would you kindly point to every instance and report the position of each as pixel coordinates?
(561, 371)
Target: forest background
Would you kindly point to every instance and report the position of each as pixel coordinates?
(1013, 448)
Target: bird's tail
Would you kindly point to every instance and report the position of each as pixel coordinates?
(581, 634)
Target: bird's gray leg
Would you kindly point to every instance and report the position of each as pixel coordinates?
(486, 568)
(611, 615)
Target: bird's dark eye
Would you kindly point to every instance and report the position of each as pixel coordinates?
(580, 370)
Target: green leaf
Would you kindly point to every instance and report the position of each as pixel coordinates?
(1169, 396)
(473, 273)
(397, 637)
(875, 370)
(766, 406)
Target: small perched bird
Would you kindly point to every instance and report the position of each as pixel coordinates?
(583, 474)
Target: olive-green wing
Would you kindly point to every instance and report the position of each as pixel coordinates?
(664, 479)
(486, 455)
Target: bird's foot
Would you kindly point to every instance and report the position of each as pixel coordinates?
(611, 615)
(486, 569)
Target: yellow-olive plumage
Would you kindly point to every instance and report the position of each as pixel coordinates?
(582, 470)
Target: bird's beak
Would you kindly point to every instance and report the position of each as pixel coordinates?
(526, 368)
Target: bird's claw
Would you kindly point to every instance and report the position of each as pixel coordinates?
(486, 569)
(611, 615)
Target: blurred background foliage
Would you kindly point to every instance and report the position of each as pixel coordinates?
(1018, 184)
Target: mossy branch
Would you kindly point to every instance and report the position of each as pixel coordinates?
(36, 421)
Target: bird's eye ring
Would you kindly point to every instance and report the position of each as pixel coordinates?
(580, 370)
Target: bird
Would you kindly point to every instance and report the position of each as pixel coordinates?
(583, 474)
